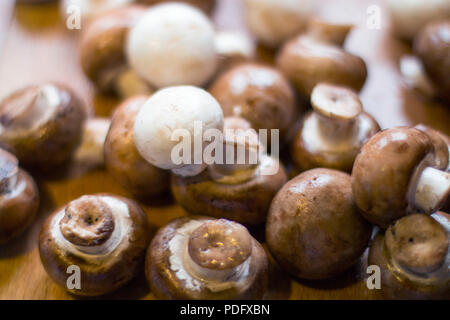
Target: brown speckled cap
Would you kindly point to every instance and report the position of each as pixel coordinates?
(258, 93)
(314, 229)
(102, 45)
(123, 160)
(384, 169)
(51, 143)
(307, 62)
(432, 45)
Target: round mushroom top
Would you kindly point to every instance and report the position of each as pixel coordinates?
(333, 33)
(385, 172)
(314, 229)
(172, 116)
(102, 44)
(274, 21)
(205, 5)
(220, 245)
(418, 243)
(432, 45)
(28, 109)
(173, 44)
(258, 93)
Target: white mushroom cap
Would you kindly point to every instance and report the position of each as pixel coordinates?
(90, 8)
(230, 44)
(409, 16)
(274, 21)
(170, 109)
(173, 44)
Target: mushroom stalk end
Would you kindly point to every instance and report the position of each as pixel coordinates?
(433, 188)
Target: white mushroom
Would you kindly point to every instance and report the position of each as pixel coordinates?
(173, 44)
(174, 115)
(274, 21)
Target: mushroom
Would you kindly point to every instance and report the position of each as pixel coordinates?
(234, 188)
(432, 46)
(122, 159)
(314, 229)
(233, 48)
(409, 16)
(441, 144)
(317, 56)
(90, 151)
(104, 235)
(102, 52)
(19, 198)
(413, 256)
(395, 174)
(332, 134)
(204, 258)
(173, 44)
(172, 114)
(90, 9)
(41, 125)
(259, 94)
(205, 5)
(274, 21)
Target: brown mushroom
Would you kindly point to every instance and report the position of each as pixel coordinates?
(41, 125)
(395, 174)
(260, 94)
(104, 235)
(441, 143)
(233, 49)
(317, 56)
(413, 256)
(432, 46)
(333, 133)
(235, 189)
(205, 5)
(314, 229)
(205, 258)
(102, 52)
(123, 160)
(19, 198)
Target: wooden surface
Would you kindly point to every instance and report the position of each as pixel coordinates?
(37, 47)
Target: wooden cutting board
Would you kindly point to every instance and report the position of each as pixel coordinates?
(35, 46)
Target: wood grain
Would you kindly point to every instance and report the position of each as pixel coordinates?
(38, 48)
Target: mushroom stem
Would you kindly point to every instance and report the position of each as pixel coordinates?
(433, 188)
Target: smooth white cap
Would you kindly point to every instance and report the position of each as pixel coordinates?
(170, 109)
(173, 44)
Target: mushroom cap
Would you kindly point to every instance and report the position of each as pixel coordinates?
(173, 44)
(306, 62)
(399, 282)
(340, 111)
(418, 242)
(114, 266)
(102, 45)
(259, 94)
(168, 278)
(123, 160)
(408, 17)
(19, 202)
(233, 48)
(432, 45)
(245, 201)
(205, 5)
(171, 111)
(384, 171)
(41, 125)
(274, 21)
(441, 143)
(314, 229)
